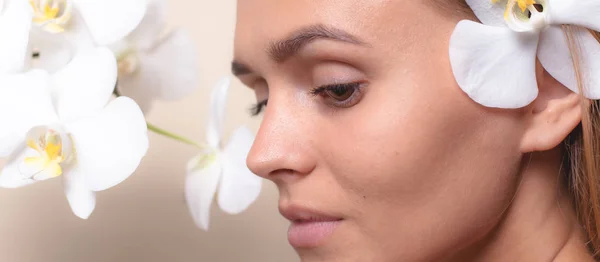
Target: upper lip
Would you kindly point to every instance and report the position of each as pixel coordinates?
(295, 213)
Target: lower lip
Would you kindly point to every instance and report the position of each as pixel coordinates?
(310, 234)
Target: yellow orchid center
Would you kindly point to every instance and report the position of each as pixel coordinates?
(52, 151)
(128, 62)
(51, 15)
(128, 59)
(525, 15)
(523, 5)
(203, 160)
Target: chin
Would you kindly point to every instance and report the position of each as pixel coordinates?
(320, 256)
(335, 255)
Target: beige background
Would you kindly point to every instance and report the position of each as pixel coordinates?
(145, 218)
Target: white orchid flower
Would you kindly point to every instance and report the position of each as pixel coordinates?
(221, 167)
(155, 64)
(15, 22)
(64, 125)
(55, 30)
(20, 41)
(494, 62)
(107, 21)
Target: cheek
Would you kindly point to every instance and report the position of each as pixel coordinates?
(425, 173)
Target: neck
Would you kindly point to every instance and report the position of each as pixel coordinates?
(539, 224)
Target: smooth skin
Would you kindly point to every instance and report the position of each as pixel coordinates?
(415, 168)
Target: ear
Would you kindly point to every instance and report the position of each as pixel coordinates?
(552, 116)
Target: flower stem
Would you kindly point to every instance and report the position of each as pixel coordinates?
(116, 92)
(168, 134)
(163, 132)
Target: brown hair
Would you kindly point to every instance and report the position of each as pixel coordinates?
(582, 156)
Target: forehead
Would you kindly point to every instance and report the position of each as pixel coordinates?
(260, 22)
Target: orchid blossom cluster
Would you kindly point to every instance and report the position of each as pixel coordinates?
(74, 88)
(494, 61)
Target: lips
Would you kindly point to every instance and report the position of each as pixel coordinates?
(309, 228)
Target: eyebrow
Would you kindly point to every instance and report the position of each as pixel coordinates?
(456, 8)
(281, 50)
(238, 69)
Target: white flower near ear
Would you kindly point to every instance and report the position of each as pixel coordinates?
(154, 63)
(224, 168)
(64, 125)
(495, 62)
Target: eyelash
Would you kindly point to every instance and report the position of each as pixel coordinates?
(322, 91)
(257, 108)
(354, 87)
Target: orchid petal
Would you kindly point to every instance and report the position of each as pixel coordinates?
(584, 13)
(151, 27)
(25, 102)
(218, 101)
(168, 72)
(50, 52)
(556, 58)
(109, 145)
(488, 12)
(111, 20)
(81, 199)
(86, 84)
(78, 34)
(15, 23)
(495, 66)
(12, 175)
(239, 186)
(179, 77)
(200, 187)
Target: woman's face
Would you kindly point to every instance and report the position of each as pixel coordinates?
(377, 153)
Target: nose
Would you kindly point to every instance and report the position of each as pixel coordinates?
(283, 149)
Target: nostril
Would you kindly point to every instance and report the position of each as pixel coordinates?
(282, 172)
(285, 176)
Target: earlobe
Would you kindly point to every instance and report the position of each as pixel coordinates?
(551, 117)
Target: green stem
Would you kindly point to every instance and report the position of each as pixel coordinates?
(116, 91)
(163, 132)
(168, 134)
